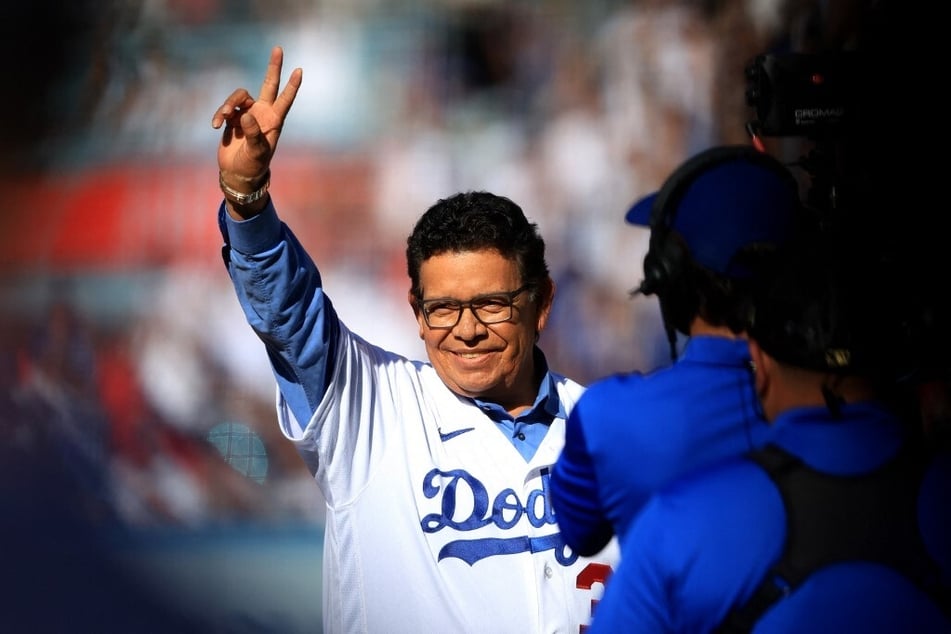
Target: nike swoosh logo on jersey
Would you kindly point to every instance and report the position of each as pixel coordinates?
(444, 437)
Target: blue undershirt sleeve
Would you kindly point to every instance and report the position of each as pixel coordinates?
(279, 289)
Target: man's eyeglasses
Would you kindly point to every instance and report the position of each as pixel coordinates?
(489, 309)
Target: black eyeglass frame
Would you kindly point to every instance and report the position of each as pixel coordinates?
(472, 304)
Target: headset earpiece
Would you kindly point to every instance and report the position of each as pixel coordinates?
(663, 264)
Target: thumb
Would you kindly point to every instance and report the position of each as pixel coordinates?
(256, 142)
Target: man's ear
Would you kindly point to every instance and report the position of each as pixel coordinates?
(756, 354)
(546, 297)
(416, 311)
(761, 364)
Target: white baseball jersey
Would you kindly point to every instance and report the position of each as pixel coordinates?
(435, 522)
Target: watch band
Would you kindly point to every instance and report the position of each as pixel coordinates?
(244, 199)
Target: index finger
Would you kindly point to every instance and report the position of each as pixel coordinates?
(272, 77)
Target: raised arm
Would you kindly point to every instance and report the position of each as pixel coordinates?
(252, 128)
(276, 281)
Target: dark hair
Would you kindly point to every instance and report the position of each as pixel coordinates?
(823, 310)
(476, 221)
(721, 300)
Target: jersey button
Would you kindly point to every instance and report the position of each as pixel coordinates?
(520, 436)
(548, 571)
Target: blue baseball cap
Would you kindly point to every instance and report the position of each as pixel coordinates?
(722, 200)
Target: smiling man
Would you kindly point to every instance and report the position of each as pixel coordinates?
(435, 474)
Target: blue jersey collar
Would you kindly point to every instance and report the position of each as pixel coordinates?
(547, 405)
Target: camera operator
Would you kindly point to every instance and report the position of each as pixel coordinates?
(843, 524)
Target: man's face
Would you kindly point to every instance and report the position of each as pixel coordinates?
(491, 362)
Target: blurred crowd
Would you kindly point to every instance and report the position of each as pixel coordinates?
(125, 356)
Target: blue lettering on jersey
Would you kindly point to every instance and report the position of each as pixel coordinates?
(505, 512)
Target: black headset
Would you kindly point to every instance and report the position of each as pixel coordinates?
(667, 256)
(668, 261)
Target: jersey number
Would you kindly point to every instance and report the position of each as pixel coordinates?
(592, 574)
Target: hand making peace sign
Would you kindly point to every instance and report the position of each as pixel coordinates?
(252, 129)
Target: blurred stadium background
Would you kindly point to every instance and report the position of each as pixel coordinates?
(138, 407)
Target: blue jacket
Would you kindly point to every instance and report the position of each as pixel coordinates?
(702, 544)
(630, 434)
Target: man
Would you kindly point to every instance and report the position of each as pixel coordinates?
(435, 474)
(842, 524)
(713, 223)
